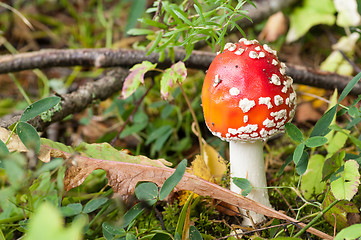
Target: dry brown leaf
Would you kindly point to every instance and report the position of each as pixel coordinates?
(276, 26)
(14, 143)
(46, 153)
(123, 177)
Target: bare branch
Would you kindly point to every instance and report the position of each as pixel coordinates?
(79, 100)
(126, 58)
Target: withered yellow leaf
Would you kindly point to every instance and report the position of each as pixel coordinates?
(200, 169)
(214, 161)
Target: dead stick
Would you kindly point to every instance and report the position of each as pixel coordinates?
(105, 58)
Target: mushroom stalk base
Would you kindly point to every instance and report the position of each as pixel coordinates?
(246, 161)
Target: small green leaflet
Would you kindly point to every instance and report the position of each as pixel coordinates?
(311, 13)
(136, 77)
(298, 153)
(94, 204)
(316, 141)
(322, 126)
(173, 180)
(294, 133)
(38, 107)
(243, 184)
(47, 223)
(194, 234)
(3, 148)
(349, 87)
(345, 187)
(147, 192)
(132, 214)
(349, 233)
(29, 136)
(302, 164)
(311, 180)
(176, 73)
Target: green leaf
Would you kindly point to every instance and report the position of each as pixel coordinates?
(94, 204)
(353, 123)
(315, 141)
(130, 236)
(136, 77)
(346, 186)
(153, 23)
(106, 152)
(298, 153)
(353, 111)
(161, 236)
(321, 128)
(135, 128)
(47, 223)
(243, 184)
(71, 209)
(331, 165)
(49, 166)
(3, 149)
(349, 87)
(166, 83)
(294, 132)
(181, 223)
(139, 31)
(147, 192)
(349, 233)
(15, 169)
(28, 135)
(337, 142)
(180, 71)
(132, 214)
(111, 232)
(155, 43)
(288, 161)
(194, 234)
(310, 14)
(39, 107)
(340, 212)
(311, 180)
(173, 180)
(198, 9)
(301, 166)
(286, 238)
(163, 130)
(136, 11)
(176, 73)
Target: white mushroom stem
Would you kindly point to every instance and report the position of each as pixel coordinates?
(247, 161)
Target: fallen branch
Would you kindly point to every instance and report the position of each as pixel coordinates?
(105, 58)
(79, 100)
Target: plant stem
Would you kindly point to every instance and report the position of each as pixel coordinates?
(194, 119)
(137, 105)
(313, 221)
(21, 89)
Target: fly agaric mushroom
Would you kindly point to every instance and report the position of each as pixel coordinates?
(247, 98)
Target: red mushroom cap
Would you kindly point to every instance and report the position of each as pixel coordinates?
(246, 94)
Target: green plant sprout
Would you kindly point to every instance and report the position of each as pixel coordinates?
(189, 23)
(26, 132)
